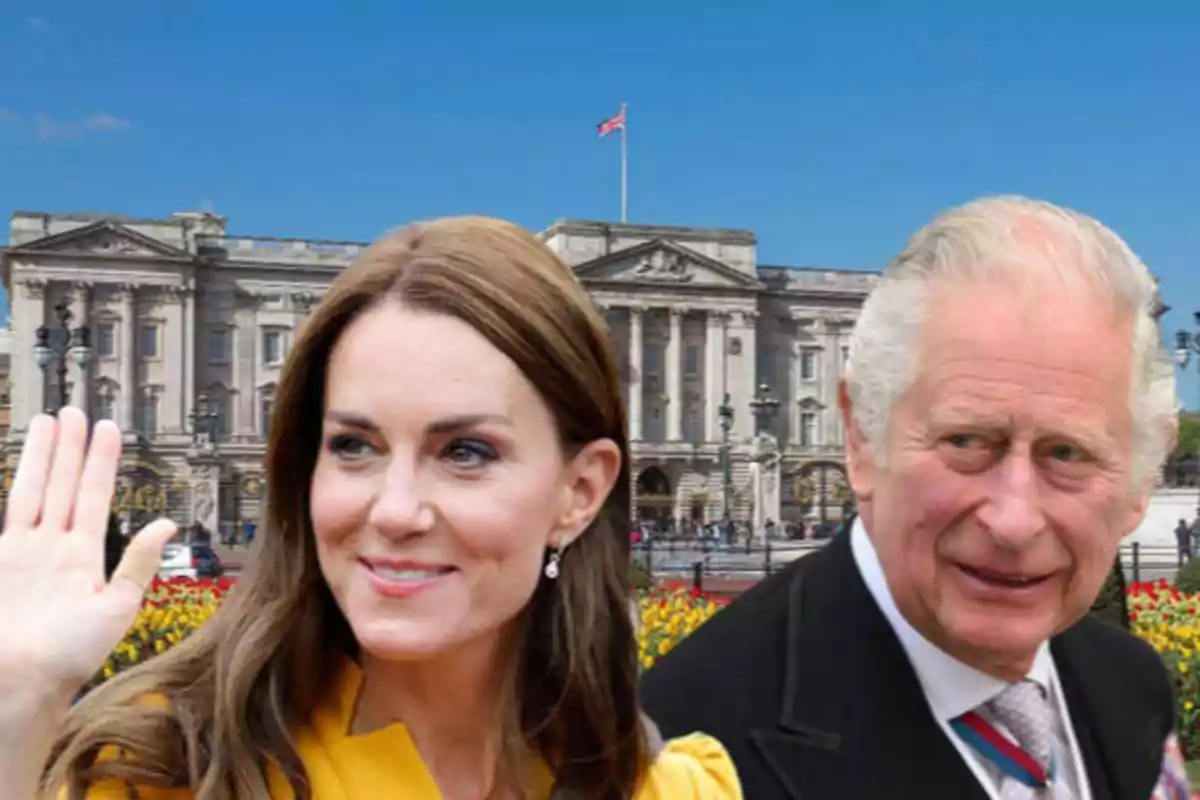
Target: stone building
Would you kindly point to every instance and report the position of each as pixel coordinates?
(189, 322)
(5, 401)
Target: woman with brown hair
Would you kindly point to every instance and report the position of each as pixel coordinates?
(438, 605)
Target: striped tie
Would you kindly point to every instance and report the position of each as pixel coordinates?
(1025, 710)
(1027, 766)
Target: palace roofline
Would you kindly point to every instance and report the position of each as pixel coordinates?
(682, 233)
(769, 268)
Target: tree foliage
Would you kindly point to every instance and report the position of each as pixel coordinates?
(1111, 604)
(1189, 434)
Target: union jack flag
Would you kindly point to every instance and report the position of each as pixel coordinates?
(613, 123)
(1173, 780)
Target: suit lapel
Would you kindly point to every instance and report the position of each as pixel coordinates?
(1120, 742)
(854, 721)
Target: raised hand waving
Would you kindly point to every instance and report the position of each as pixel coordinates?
(62, 618)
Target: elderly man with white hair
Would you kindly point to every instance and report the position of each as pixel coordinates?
(1007, 404)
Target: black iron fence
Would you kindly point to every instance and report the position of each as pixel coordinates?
(695, 560)
(1150, 561)
(701, 562)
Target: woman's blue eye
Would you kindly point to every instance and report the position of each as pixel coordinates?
(470, 453)
(347, 445)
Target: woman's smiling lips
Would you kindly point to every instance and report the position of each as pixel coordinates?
(401, 578)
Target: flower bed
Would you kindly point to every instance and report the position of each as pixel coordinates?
(667, 614)
(1167, 619)
(173, 608)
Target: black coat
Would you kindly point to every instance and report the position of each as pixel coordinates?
(803, 680)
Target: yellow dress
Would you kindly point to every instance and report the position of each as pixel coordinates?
(385, 763)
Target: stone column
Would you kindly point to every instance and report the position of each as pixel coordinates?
(829, 370)
(173, 344)
(81, 308)
(27, 380)
(792, 395)
(243, 392)
(190, 342)
(744, 422)
(127, 343)
(714, 341)
(674, 375)
(635, 372)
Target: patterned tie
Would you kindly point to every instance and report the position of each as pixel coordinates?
(1025, 712)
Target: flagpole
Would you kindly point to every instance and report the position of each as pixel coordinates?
(624, 166)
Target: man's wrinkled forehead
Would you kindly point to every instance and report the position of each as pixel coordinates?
(1003, 311)
(1054, 349)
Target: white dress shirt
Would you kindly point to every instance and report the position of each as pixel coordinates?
(952, 688)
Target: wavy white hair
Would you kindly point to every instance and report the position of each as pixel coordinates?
(1012, 238)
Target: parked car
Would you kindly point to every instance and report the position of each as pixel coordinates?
(190, 561)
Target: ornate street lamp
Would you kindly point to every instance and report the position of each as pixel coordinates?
(55, 345)
(203, 423)
(764, 407)
(725, 419)
(1185, 345)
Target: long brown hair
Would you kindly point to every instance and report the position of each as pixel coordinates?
(236, 689)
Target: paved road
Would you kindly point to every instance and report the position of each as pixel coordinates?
(234, 558)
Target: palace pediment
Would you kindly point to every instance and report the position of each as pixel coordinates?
(660, 263)
(103, 238)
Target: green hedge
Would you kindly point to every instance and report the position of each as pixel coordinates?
(640, 577)
(1188, 578)
(1111, 604)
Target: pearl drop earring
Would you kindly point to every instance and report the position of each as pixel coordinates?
(551, 570)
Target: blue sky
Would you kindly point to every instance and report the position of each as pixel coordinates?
(831, 132)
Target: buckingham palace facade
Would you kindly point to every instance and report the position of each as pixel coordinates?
(189, 326)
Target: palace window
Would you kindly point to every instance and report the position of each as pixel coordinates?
(265, 406)
(220, 345)
(693, 419)
(808, 429)
(106, 340)
(147, 421)
(272, 346)
(148, 341)
(220, 411)
(652, 360)
(808, 365)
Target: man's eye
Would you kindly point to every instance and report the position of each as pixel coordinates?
(963, 440)
(1064, 452)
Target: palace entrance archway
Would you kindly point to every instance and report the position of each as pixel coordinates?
(819, 492)
(653, 499)
(145, 491)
